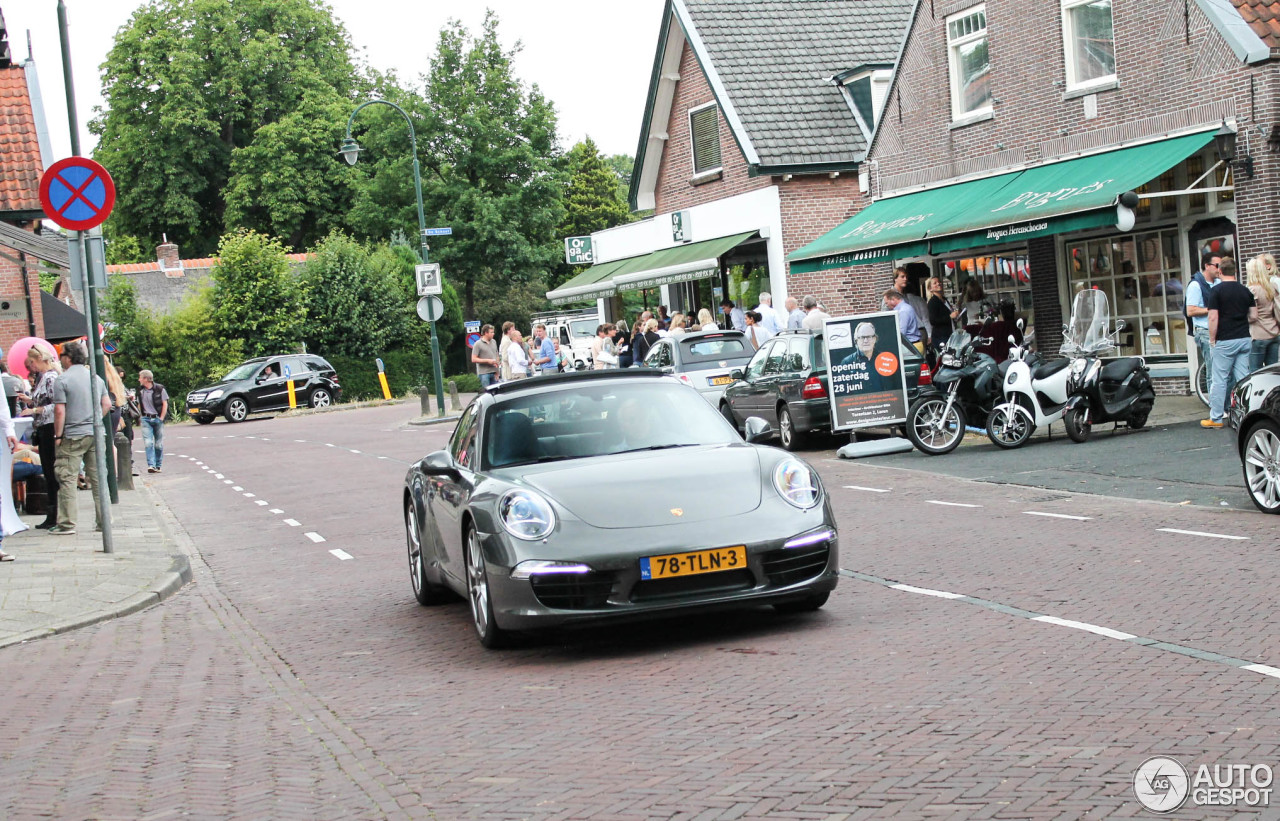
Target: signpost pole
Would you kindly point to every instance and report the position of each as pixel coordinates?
(95, 348)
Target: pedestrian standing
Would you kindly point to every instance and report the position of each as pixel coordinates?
(622, 344)
(544, 351)
(757, 333)
(1229, 304)
(814, 317)
(76, 399)
(484, 354)
(768, 316)
(6, 424)
(517, 357)
(734, 316)
(1264, 325)
(503, 347)
(901, 284)
(795, 316)
(644, 341)
(44, 369)
(1197, 311)
(705, 322)
(942, 314)
(154, 401)
(908, 324)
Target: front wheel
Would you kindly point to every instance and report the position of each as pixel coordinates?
(1076, 421)
(478, 594)
(1009, 426)
(1261, 459)
(933, 428)
(237, 409)
(792, 439)
(727, 413)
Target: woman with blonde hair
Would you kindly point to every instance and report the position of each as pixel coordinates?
(705, 322)
(44, 368)
(1264, 325)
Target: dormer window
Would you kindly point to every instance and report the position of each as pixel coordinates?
(970, 66)
(865, 89)
(1090, 43)
(704, 127)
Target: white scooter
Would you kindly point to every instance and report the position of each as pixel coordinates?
(1035, 394)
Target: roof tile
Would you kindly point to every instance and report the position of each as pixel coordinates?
(1263, 16)
(20, 165)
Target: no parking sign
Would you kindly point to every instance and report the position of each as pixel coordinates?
(77, 193)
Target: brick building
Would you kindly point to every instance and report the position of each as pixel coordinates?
(757, 121)
(24, 153)
(1012, 129)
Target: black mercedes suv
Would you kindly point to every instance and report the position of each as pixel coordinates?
(262, 384)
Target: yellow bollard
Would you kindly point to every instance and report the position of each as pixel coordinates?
(386, 389)
(293, 397)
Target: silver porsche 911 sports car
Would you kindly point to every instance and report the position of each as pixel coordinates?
(600, 495)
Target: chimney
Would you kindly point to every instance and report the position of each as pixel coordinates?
(167, 256)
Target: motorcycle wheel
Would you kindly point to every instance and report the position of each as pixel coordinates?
(1009, 426)
(1077, 424)
(929, 431)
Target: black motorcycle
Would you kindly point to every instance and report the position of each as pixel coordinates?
(1116, 391)
(967, 386)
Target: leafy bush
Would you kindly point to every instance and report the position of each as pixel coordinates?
(467, 382)
(255, 297)
(359, 375)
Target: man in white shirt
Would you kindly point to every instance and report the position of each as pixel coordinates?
(769, 317)
(517, 359)
(814, 316)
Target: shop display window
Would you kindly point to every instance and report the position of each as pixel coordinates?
(1141, 274)
(1005, 276)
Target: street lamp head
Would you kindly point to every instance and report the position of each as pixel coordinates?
(350, 151)
(1225, 141)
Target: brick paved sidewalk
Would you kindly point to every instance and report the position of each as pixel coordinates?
(60, 583)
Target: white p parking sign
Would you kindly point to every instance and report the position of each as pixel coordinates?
(428, 276)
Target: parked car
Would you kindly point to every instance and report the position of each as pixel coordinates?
(785, 384)
(704, 359)
(262, 384)
(556, 504)
(1254, 414)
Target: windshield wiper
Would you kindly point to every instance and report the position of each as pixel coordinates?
(659, 447)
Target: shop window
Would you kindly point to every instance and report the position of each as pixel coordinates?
(1141, 274)
(1090, 43)
(747, 279)
(969, 64)
(999, 278)
(704, 126)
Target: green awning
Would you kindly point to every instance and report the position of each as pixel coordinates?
(593, 283)
(1049, 199)
(894, 227)
(1065, 196)
(683, 263)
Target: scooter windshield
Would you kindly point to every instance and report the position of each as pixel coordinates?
(1090, 319)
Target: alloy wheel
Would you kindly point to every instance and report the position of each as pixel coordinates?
(933, 428)
(320, 399)
(414, 541)
(477, 586)
(1262, 467)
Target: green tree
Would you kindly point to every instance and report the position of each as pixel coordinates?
(189, 83)
(399, 259)
(255, 298)
(360, 308)
(591, 201)
(622, 165)
(492, 160)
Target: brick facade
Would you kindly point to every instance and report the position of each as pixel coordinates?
(811, 204)
(12, 290)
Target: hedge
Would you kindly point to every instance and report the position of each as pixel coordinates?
(406, 370)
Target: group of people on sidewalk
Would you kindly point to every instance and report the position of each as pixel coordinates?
(1235, 325)
(514, 357)
(62, 400)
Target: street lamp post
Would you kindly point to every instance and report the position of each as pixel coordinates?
(350, 152)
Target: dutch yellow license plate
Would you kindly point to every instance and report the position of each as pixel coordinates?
(691, 564)
(192, 410)
(720, 380)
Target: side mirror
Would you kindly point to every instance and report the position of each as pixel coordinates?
(1121, 325)
(1012, 341)
(757, 430)
(440, 463)
(735, 374)
(1021, 324)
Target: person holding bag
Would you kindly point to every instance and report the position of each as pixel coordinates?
(44, 369)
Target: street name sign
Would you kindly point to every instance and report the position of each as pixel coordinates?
(77, 193)
(579, 251)
(438, 232)
(428, 277)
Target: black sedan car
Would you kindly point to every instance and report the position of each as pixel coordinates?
(1255, 416)
(262, 384)
(785, 384)
(603, 495)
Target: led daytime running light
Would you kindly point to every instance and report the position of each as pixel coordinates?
(812, 538)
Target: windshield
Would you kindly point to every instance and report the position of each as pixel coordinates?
(584, 328)
(716, 347)
(242, 371)
(1090, 318)
(959, 340)
(597, 418)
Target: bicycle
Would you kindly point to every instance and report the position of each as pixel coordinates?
(1201, 384)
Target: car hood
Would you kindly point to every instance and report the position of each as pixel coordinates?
(653, 488)
(224, 384)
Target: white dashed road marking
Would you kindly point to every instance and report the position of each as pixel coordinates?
(924, 591)
(342, 555)
(315, 537)
(276, 511)
(1080, 625)
(1057, 515)
(260, 502)
(226, 481)
(858, 487)
(1199, 533)
(248, 495)
(1264, 669)
(218, 476)
(950, 504)
(293, 523)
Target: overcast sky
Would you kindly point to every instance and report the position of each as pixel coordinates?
(592, 58)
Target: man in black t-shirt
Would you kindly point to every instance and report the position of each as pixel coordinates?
(1230, 305)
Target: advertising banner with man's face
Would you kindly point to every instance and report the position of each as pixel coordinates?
(868, 387)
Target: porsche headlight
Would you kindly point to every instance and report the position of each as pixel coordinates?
(796, 483)
(526, 515)
(215, 394)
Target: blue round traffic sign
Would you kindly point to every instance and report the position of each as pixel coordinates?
(77, 193)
